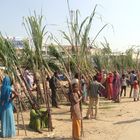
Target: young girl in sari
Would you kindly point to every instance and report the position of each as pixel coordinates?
(75, 99)
(6, 108)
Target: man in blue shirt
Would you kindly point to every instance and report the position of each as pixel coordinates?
(132, 77)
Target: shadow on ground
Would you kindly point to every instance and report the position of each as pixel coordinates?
(21, 127)
(68, 120)
(128, 121)
(45, 138)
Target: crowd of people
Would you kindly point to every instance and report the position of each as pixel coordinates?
(111, 85)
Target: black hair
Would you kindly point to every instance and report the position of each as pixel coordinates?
(135, 78)
(95, 78)
(76, 75)
(48, 78)
(133, 71)
(74, 85)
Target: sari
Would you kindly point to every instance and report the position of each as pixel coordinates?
(110, 86)
(38, 120)
(6, 107)
(116, 88)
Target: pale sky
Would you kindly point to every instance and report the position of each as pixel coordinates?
(124, 15)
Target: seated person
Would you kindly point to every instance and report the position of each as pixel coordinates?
(38, 119)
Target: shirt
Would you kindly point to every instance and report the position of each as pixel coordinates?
(94, 89)
(123, 82)
(132, 76)
(75, 105)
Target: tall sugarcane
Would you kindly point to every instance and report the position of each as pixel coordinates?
(37, 32)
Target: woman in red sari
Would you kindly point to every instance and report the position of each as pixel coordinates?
(110, 86)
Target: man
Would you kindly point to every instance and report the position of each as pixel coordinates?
(38, 119)
(53, 87)
(132, 77)
(94, 90)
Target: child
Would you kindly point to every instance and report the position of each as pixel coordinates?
(136, 89)
(123, 84)
(75, 99)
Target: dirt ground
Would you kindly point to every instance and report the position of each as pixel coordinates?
(116, 121)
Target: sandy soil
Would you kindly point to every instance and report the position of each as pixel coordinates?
(115, 122)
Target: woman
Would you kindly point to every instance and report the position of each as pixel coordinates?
(7, 116)
(38, 118)
(75, 99)
(116, 87)
(136, 89)
(109, 86)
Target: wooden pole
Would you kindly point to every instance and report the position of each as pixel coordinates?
(20, 106)
(17, 116)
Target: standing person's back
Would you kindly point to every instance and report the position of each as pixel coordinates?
(53, 87)
(94, 90)
(132, 78)
(123, 84)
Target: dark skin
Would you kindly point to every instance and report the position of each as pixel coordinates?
(75, 90)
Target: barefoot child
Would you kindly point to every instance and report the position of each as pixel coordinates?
(136, 89)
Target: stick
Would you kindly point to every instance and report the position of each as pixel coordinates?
(17, 117)
(20, 107)
(82, 129)
(46, 95)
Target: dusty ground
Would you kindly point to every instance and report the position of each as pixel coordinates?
(115, 122)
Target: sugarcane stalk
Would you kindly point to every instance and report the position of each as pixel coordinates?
(82, 127)
(46, 95)
(17, 117)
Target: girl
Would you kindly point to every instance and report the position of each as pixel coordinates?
(123, 84)
(110, 85)
(136, 89)
(75, 99)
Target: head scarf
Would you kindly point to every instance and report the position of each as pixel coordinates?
(5, 92)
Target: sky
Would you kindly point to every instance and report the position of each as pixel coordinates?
(122, 16)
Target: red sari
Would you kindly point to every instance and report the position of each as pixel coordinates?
(110, 86)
